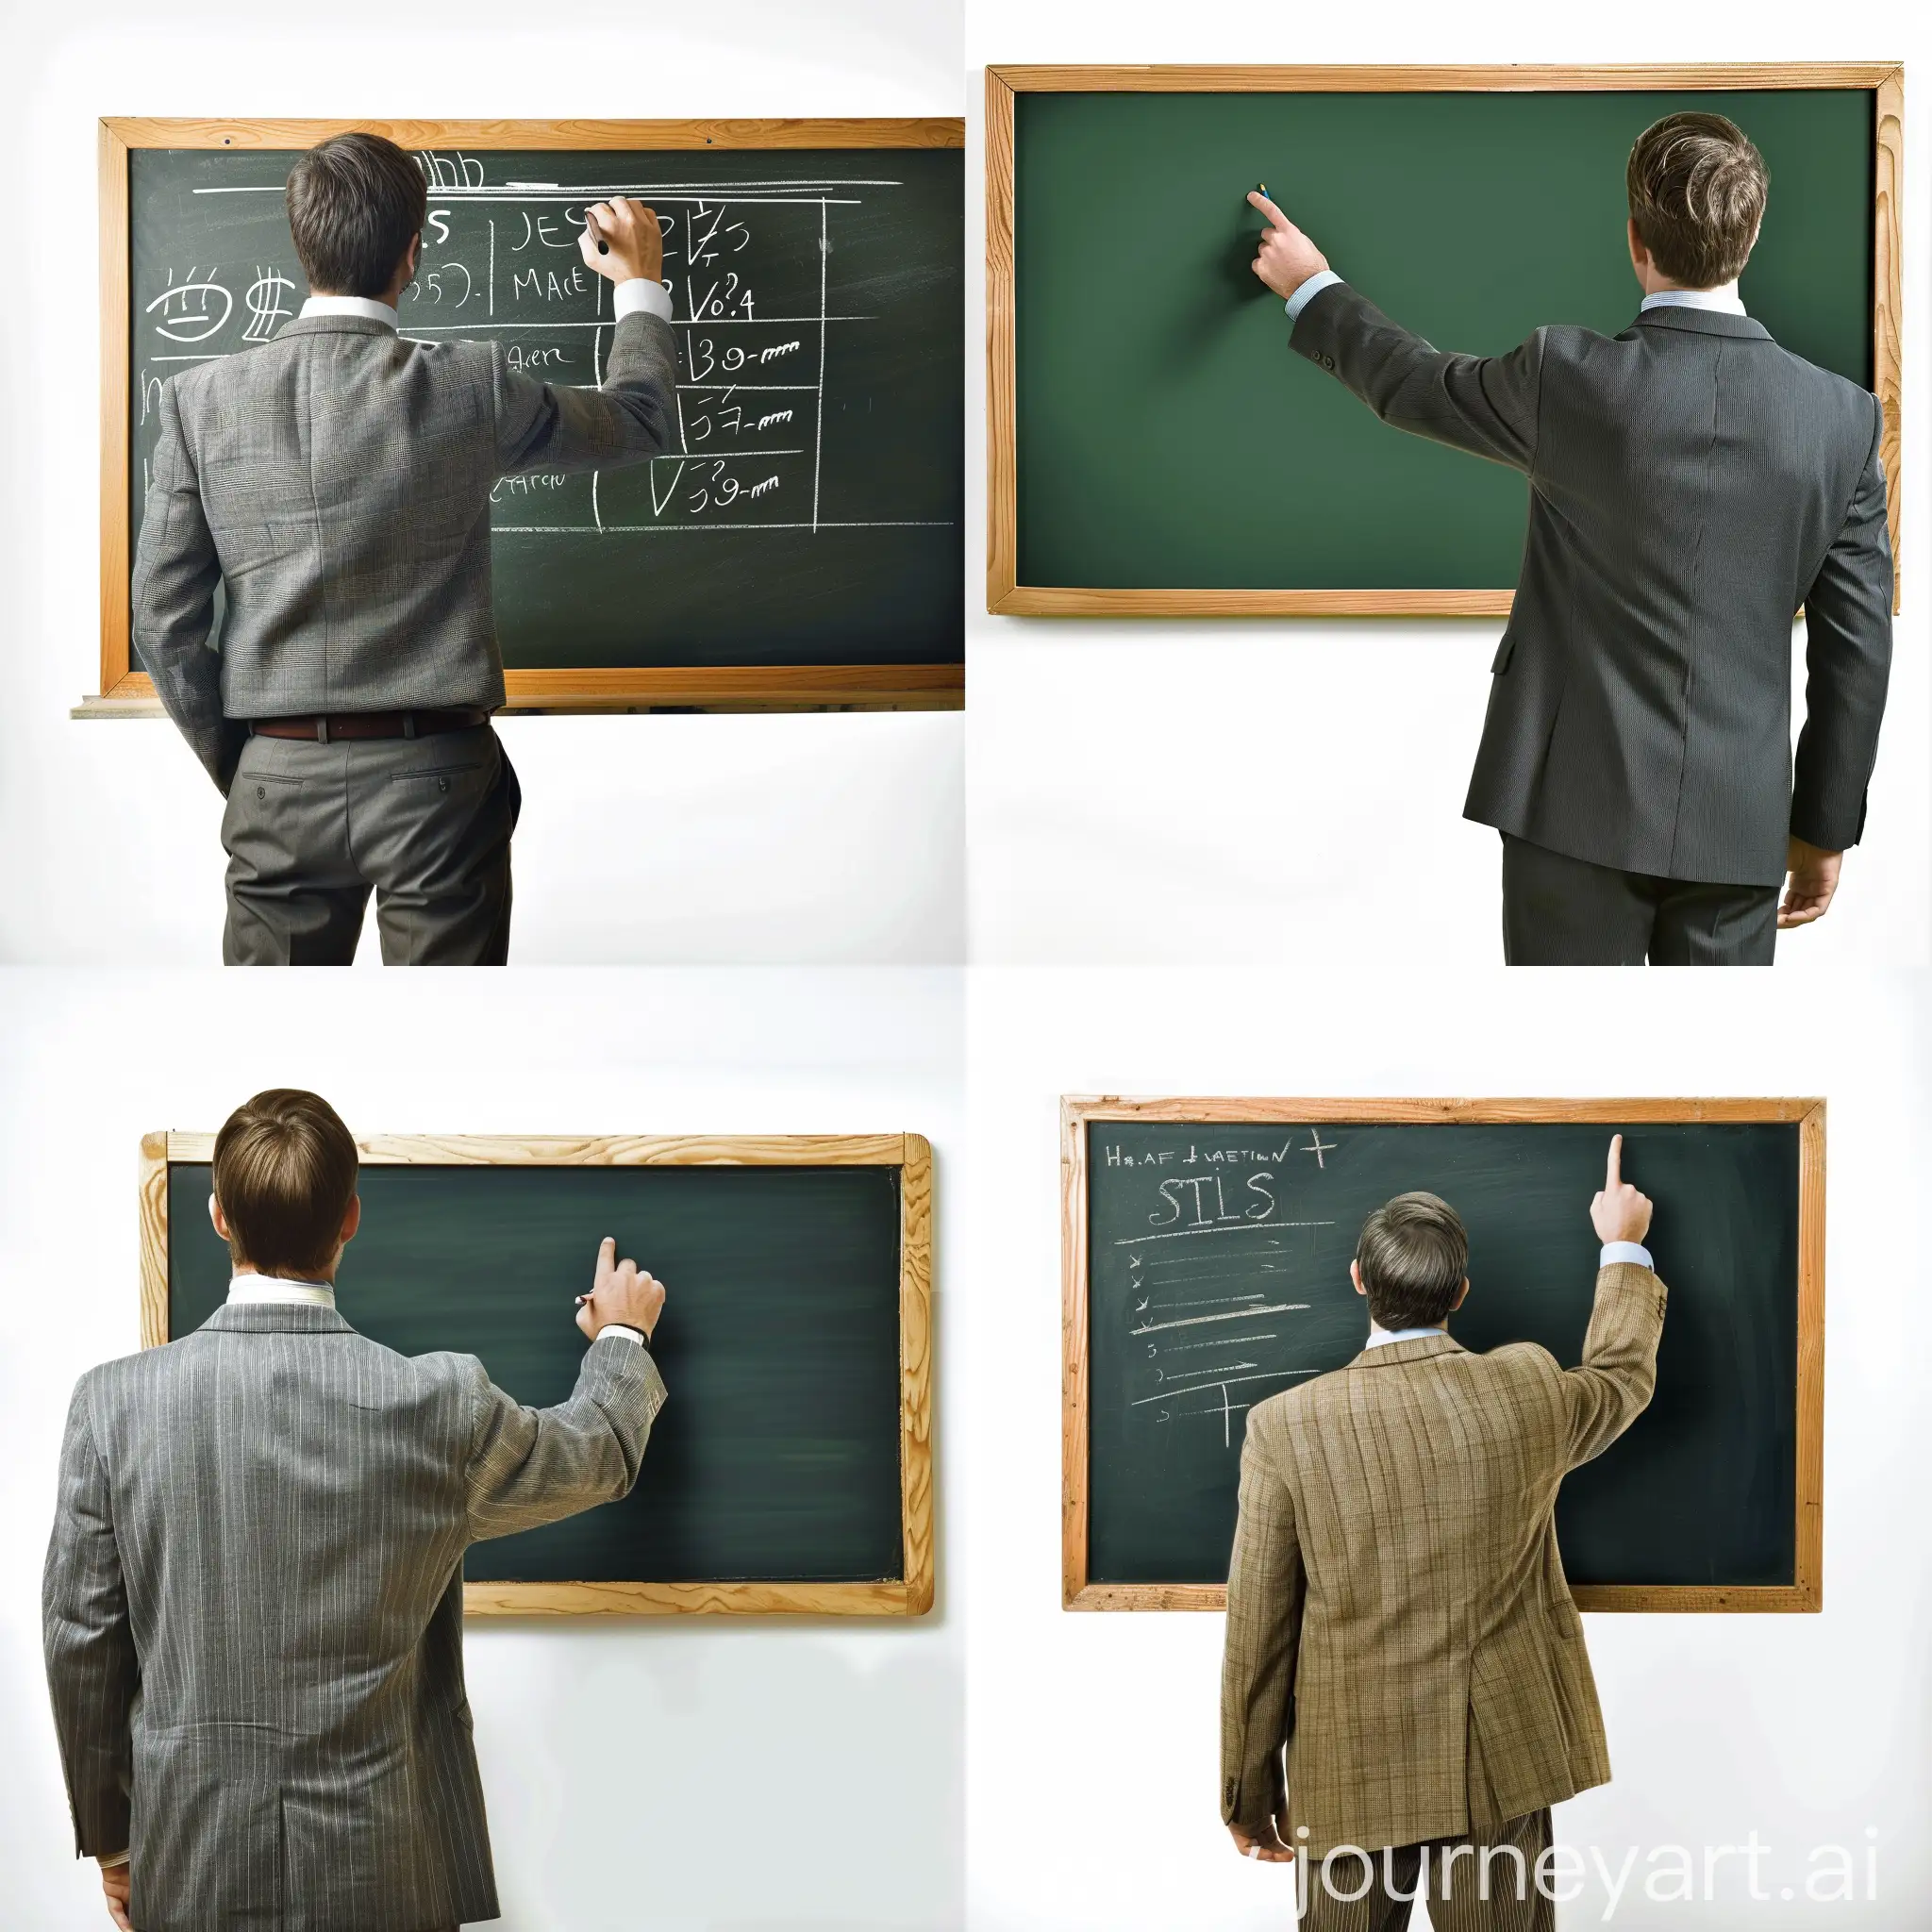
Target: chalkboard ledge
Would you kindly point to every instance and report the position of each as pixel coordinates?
(695, 687)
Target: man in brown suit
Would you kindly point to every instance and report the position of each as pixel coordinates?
(1397, 1617)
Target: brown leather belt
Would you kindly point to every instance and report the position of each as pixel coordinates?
(347, 725)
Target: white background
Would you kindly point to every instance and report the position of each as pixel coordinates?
(1091, 1755)
(681, 839)
(679, 1773)
(1336, 754)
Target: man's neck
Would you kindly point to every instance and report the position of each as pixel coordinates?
(320, 1278)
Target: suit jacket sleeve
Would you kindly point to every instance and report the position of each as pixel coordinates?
(173, 596)
(1266, 1585)
(1486, 405)
(1612, 1387)
(93, 1673)
(529, 1466)
(1847, 664)
(540, 427)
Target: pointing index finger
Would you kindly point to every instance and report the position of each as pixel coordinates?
(1276, 218)
(1615, 1175)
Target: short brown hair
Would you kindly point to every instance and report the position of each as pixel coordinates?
(1697, 194)
(1413, 1256)
(285, 1173)
(355, 202)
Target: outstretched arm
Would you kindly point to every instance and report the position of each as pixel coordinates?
(530, 1466)
(173, 597)
(1486, 405)
(1847, 664)
(1613, 1386)
(542, 426)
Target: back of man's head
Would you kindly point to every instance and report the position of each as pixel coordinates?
(1412, 1258)
(284, 1175)
(1697, 194)
(355, 202)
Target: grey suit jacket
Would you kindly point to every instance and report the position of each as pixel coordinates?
(336, 482)
(254, 1611)
(1690, 485)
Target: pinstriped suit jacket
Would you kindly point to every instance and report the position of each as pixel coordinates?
(337, 481)
(1398, 1614)
(1691, 484)
(254, 1611)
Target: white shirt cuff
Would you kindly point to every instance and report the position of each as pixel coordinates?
(1618, 1252)
(641, 297)
(621, 1332)
(108, 1864)
(1322, 279)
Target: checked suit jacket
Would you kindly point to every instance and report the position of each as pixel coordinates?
(335, 482)
(253, 1602)
(1691, 484)
(1404, 1661)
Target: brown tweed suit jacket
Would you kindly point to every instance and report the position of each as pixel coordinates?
(1397, 1615)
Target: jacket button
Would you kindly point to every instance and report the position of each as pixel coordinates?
(443, 784)
(261, 792)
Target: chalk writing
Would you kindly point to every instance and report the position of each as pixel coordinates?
(753, 303)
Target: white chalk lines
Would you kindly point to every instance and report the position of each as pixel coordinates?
(748, 265)
(1209, 1295)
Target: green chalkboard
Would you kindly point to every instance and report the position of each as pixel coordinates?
(1219, 1275)
(814, 516)
(1166, 435)
(776, 1457)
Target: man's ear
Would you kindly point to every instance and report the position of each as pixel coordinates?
(1354, 1274)
(215, 1215)
(352, 1219)
(1639, 254)
(1461, 1295)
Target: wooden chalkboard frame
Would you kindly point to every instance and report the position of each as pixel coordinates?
(1007, 597)
(1805, 1592)
(126, 693)
(911, 1154)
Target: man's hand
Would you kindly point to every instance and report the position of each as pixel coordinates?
(633, 242)
(117, 1881)
(1268, 1845)
(1813, 880)
(1619, 1213)
(1287, 257)
(621, 1292)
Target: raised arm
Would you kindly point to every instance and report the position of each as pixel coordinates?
(1266, 1585)
(173, 598)
(1847, 664)
(531, 1466)
(93, 1672)
(1613, 1385)
(542, 427)
(1486, 405)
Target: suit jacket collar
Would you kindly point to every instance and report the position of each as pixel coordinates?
(1393, 1354)
(276, 1318)
(1701, 322)
(335, 325)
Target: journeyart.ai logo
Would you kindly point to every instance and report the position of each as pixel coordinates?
(1614, 1881)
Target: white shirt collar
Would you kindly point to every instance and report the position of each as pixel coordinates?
(350, 304)
(1723, 299)
(245, 1289)
(1379, 1336)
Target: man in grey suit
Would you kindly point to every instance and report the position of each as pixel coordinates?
(336, 483)
(254, 1595)
(1690, 485)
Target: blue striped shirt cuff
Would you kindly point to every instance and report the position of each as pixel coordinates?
(1322, 279)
